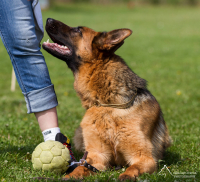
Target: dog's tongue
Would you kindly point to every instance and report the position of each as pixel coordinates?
(56, 47)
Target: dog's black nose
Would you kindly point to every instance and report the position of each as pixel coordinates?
(49, 20)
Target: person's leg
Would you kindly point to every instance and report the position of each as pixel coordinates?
(47, 119)
(22, 38)
(48, 122)
(18, 33)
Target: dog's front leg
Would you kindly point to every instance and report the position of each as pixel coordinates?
(79, 173)
(95, 159)
(142, 164)
(99, 160)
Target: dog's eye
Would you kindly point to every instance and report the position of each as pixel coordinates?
(77, 30)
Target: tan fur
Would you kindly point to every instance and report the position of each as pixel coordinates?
(135, 137)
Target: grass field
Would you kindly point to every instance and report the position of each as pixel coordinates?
(163, 49)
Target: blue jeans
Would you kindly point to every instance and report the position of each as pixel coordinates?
(21, 37)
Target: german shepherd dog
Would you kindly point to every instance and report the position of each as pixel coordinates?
(123, 124)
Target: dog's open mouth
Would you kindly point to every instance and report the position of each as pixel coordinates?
(56, 48)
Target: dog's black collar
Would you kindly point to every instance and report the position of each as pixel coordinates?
(92, 168)
(119, 106)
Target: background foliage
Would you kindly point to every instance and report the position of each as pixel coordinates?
(174, 2)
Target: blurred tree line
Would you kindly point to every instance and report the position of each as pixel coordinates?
(175, 2)
(189, 2)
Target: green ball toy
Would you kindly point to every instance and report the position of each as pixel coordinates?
(51, 156)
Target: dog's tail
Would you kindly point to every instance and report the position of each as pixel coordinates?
(161, 139)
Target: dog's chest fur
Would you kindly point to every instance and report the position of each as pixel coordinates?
(109, 81)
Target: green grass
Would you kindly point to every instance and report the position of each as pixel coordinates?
(163, 49)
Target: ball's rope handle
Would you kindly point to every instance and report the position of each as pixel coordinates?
(85, 155)
(81, 161)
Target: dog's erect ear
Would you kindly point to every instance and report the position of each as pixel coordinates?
(111, 40)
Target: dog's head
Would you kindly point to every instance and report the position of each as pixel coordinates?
(76, 45)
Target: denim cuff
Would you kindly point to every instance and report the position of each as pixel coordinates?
(41, 99)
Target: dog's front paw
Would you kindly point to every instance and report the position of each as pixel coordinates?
(124, 177)
(79, 173)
